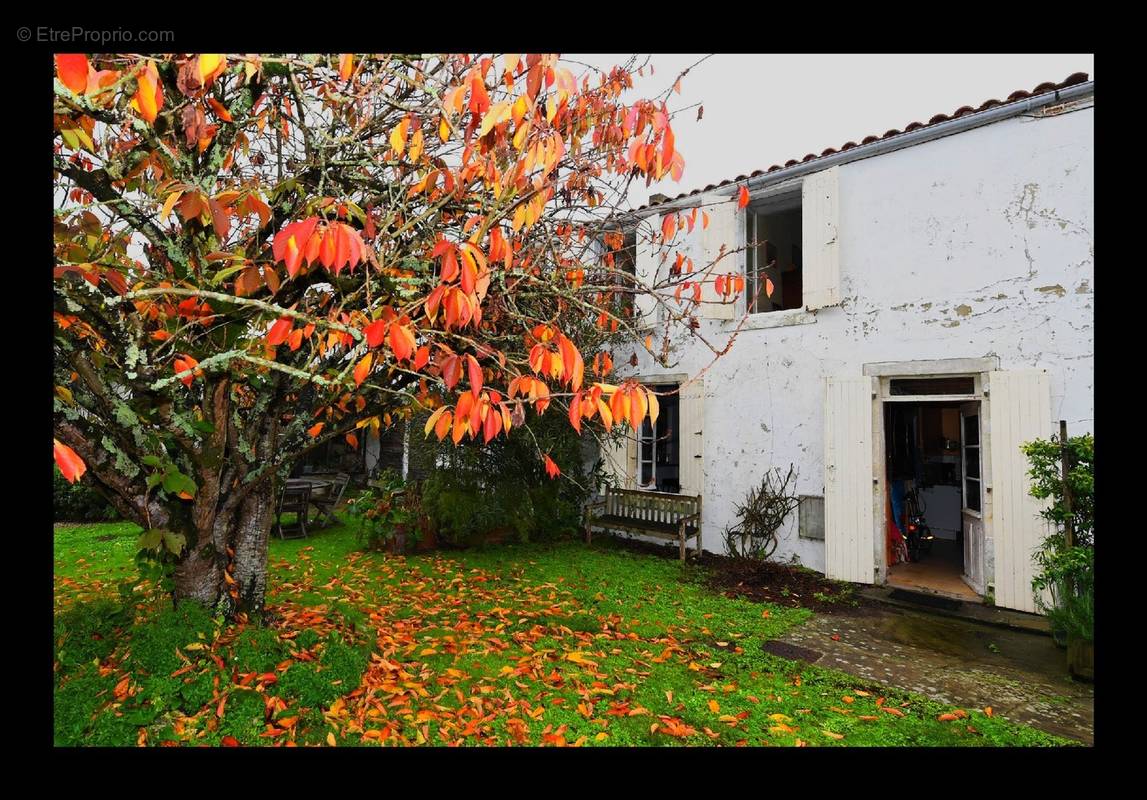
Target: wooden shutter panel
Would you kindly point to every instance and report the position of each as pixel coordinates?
(722, 230)
(691, 469)
(820, 215)
(848, 494)
(1019, 411)
(620, 461)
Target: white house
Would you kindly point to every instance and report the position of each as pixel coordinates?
(929, 307)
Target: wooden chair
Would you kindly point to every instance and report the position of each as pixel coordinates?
(327, 503)
(293, 500)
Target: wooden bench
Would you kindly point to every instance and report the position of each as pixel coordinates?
(669, 516)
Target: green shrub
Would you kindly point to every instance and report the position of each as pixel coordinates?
(88, 631)
(476, 491)
(79, 502)
(75, 703)
(153, 644)
(244, 716)
(338, 670)
(1067, 573)
(258, 649)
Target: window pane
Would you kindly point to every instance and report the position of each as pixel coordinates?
(972, 461)
(972, 494)
(773, 257)
(972, 430)
(913, 386)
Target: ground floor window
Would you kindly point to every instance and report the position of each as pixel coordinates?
(659, 447)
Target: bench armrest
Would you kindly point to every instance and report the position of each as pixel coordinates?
(694, 516)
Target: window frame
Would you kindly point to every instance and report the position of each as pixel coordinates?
(785, 196)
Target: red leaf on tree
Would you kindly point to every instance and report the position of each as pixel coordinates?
(290, 242)
(474, 370)
(73, 69)
(552, 468)
(421, 357)
(315, 429)
(70, 464)
(401, 341)
(375, 332)
(279, 331)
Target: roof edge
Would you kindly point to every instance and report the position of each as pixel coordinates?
(877, 147)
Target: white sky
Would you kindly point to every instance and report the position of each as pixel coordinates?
(766, 109)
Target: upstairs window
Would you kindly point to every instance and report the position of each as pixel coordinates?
(773, 269)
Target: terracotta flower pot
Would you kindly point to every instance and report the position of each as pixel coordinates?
(1081, 659)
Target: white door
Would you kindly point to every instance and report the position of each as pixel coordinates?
(848, 479)
(972, 495)
(1020, 411)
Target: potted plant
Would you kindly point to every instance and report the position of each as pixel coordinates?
(382, 516)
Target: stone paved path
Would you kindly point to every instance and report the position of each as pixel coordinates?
(1023, 676)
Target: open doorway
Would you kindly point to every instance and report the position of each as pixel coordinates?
(933, 480)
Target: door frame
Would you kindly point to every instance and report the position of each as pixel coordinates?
(883, 373)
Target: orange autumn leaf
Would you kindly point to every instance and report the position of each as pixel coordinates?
(148, 99)
(352, 440)
(346, 66)
(362, 369)
(315, 429)
(219, 109)
(71, 465)
(743, 197)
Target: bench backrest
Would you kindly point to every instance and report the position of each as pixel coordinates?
(650, 506)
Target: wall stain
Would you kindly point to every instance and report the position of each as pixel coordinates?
(1056, 289)
(963, 310)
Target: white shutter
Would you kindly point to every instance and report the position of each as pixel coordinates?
(820, 248)
(722, 230)
(848, 498)
(620, 461)
(691, 452)
(1020, 411)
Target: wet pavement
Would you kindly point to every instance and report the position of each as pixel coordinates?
(1021, 675)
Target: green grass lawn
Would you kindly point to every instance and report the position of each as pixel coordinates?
(554, 644)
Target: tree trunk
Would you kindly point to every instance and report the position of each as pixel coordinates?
(226, 567)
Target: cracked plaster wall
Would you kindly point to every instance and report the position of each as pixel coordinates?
(972, 245)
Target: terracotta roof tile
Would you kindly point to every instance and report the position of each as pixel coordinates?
(1019, 94)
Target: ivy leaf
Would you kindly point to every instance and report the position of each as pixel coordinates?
(150, 539)
(175, 542)
(176, 483)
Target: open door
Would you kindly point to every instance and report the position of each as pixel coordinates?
(972, 496)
